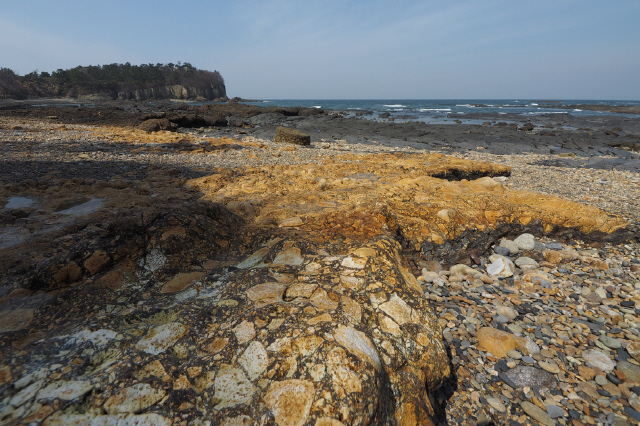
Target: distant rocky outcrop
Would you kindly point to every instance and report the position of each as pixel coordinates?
(116, 81)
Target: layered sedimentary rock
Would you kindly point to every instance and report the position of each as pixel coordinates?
(275, 295)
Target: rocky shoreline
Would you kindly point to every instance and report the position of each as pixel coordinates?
(209, 274)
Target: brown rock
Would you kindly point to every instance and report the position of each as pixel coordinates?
(499, 342)
(156, 125)
(560, 256)
(15, 319)
(181, 281)
(293, 136)
(433, 266)
(5, 375)
(113, 280)
(595, 263)
(634, 350)
(586, 372)
(290, 401)
(68, 274)
(97, 262)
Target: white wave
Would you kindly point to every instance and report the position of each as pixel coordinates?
(316, 106)
(466, 105)
(577, 110)
(546, 112)
(434, 109)
(534, 104)
(395, 106)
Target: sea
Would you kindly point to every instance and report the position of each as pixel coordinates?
(446, 110)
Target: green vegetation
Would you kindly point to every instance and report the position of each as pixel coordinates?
(108, 80)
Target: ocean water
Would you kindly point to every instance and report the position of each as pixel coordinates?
(446, 110)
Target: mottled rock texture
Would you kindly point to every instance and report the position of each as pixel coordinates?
(278, 295)
(292, 136)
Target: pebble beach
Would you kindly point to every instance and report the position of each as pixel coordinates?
(539, 331)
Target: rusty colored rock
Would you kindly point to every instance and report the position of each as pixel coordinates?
(499, 342)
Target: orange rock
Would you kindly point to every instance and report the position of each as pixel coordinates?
(499, 342)
(586, 372)
(181, 281)
(595, 263)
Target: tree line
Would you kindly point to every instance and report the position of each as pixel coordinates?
(104, 79)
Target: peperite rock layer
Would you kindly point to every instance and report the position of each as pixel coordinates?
(276, 295)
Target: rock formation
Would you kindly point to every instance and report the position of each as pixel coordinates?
(273, 295)
(175, 92)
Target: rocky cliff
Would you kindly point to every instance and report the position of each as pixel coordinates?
(175, 92)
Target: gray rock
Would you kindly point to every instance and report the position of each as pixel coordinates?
(514, 354)
(555, 411)
(554, 246)
(630, 370)
(538, 246)
(501, 319)
(525, 242)
(596, 358)
(507, 312)
(601, 380)
(537, 413)
(511, 245)
(515, 328)
(610, 342)
(526, 262)
(502, 251)
(528, 359)
(523, 376)
(545, 284)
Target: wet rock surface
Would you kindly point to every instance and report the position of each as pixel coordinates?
(351, 288)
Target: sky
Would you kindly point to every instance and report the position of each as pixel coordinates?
(347, 49)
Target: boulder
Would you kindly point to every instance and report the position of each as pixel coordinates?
(157, 124)
(292, 136)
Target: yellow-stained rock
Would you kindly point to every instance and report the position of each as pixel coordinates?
(499, 342)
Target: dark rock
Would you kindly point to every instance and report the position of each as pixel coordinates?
(613, 379)
(292, 136)
(507, 380)
(526, 127)
(157, 124)
(574, 414)
(592, 326)
(632, 413)
(523, 376)
(502, 251)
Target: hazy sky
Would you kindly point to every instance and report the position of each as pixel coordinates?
(559, 49)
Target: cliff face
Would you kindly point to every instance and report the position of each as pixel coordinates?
(175, 92)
